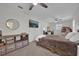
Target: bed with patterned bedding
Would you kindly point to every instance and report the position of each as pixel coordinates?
(59, 45)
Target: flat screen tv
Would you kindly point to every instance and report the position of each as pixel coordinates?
(33, 24)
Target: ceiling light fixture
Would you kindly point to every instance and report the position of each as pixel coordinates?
(35, 3)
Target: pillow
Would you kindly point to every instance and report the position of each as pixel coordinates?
(74, 38)
(37, 39)
(69, 35)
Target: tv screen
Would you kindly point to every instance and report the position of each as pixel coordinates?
(33, 24)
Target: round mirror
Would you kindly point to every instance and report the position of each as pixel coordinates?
(12, 24)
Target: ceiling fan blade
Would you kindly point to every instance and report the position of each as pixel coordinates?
(43, 5)
(20, 7)
(31, 6)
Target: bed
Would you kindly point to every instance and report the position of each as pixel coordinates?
(58, 44)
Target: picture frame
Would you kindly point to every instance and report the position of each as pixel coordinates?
(33, 24)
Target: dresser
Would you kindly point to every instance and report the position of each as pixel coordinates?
(13, 42)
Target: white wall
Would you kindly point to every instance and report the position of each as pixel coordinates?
(34, 32)
(67, 23)
(76, 18)
(7, 12)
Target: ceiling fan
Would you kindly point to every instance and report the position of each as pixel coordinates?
(32, 5)
(41, 4)
(55, 19)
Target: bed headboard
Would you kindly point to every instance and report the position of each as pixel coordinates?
(66, 29)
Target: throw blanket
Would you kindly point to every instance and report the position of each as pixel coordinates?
(59, 45)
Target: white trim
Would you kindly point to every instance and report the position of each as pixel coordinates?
(73, 23)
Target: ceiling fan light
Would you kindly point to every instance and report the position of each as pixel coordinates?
(35, 3)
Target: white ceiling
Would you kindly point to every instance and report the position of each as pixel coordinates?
(54, 10)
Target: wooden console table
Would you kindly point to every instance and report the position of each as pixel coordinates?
(13, 42)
